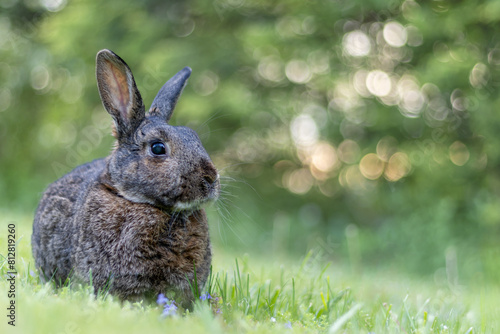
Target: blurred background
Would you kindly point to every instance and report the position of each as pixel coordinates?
(365, 130)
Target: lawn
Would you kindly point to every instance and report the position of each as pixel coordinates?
(251, 293)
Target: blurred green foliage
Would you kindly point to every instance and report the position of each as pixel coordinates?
(368, 129)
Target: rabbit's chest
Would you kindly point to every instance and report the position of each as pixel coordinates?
(171, 252)
(137, 240)
(177, 242)
(153, 236)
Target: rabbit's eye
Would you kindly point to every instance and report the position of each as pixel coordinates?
(158, 148)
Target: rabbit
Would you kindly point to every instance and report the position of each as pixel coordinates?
(132, 223)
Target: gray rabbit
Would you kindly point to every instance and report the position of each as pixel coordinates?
(132, 222)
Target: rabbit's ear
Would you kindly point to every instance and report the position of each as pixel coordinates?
(119, 93)
(164, 103)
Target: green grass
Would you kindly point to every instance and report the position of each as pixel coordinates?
(257, 295)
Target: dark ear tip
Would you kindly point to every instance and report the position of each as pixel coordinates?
(186, 72)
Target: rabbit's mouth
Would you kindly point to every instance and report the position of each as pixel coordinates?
(191, 206)
(187, 206)
(209, 194)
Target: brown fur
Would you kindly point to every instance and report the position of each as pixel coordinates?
(131, 222)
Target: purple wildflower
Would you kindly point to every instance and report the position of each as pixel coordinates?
(169, 310)
(288, 325)
(205, 296)
(169, 307)
(162, 299)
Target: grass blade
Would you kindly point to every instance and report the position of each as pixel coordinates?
(340, 322)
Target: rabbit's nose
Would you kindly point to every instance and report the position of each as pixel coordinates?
(211, 177)
(209, 172)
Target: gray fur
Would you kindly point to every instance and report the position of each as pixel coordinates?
(131, 220)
